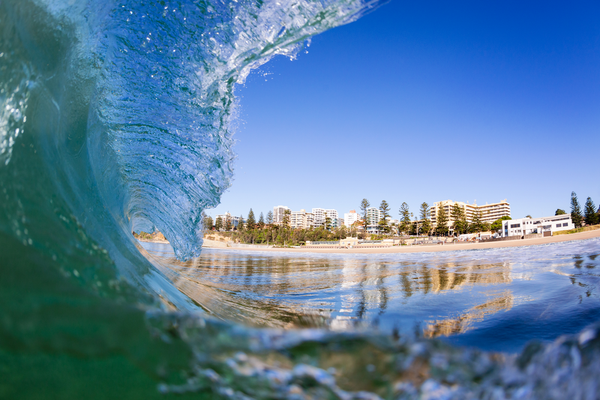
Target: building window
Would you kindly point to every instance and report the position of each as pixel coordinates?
(515, 226)
(558, 225)
(565, 224)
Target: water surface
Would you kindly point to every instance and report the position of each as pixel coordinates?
(494, 299)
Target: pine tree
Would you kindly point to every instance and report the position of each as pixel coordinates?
(404, 218)
(385, 214)
(576, 216)
(460, 224)
(208, 223)
(228, 226)
(270, 218)
(425, 222)
(442, 221)
(251, 221)
(261, 221)
(590, 216)
(286, 218)
(364, 205)
(219, 223)
(477, 224)
(240, 225)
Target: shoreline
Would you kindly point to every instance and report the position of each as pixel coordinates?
(407, 249)
(424, 249)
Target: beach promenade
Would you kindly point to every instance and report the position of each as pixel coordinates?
(417, 248)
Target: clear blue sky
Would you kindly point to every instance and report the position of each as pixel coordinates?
(426, 102)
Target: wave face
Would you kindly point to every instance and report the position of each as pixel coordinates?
(117, 116)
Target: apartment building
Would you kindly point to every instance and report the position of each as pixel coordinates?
(544, 225)
(318, 217)
(351, 217)
(373, 216)
(278, 213)
(489, 212)
(333, 216)
(301, 219)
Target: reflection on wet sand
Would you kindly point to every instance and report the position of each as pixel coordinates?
(443, 294)
(337, 293)
(464, 322)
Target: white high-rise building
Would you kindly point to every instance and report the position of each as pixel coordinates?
(278, 213)
(318, 216)
(333, 216)
(351, 217)
(301, 219)
(373, 216)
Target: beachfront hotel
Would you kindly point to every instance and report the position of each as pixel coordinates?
(489, 212)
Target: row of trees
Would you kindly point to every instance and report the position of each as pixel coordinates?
(264, 231)
(590, 215)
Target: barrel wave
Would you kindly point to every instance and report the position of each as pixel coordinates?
(117, 116)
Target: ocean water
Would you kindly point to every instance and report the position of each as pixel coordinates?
(116, 116)
(494, 299)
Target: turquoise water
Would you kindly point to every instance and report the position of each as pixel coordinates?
(116, 116)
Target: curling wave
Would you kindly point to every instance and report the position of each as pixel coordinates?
(117, 116)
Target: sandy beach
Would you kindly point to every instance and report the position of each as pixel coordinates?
(419, 248)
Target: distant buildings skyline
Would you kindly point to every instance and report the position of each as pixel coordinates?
(303, 219)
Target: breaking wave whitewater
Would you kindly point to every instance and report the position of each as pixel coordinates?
(116, 116)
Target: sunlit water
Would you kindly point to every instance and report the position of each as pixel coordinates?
(495, 299)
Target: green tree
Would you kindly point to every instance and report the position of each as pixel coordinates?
(385, 214)
(327, 222)
(590, 216)
(208, 223)
(460, 224)
(405, 221)
(576, 216)
(270, 218)
(286, 218)
(384, 207)
(251, 221)
(425, 222)
(497, 224)
(477, 225)
(560, 212)
(261, 221)
(442, 221)
(219, 223)
(228, 224)
(240, 225)
(364, 205)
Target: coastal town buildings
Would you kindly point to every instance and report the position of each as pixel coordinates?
(545, 225)
(235, 221)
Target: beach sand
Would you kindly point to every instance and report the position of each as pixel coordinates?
(421, 248)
